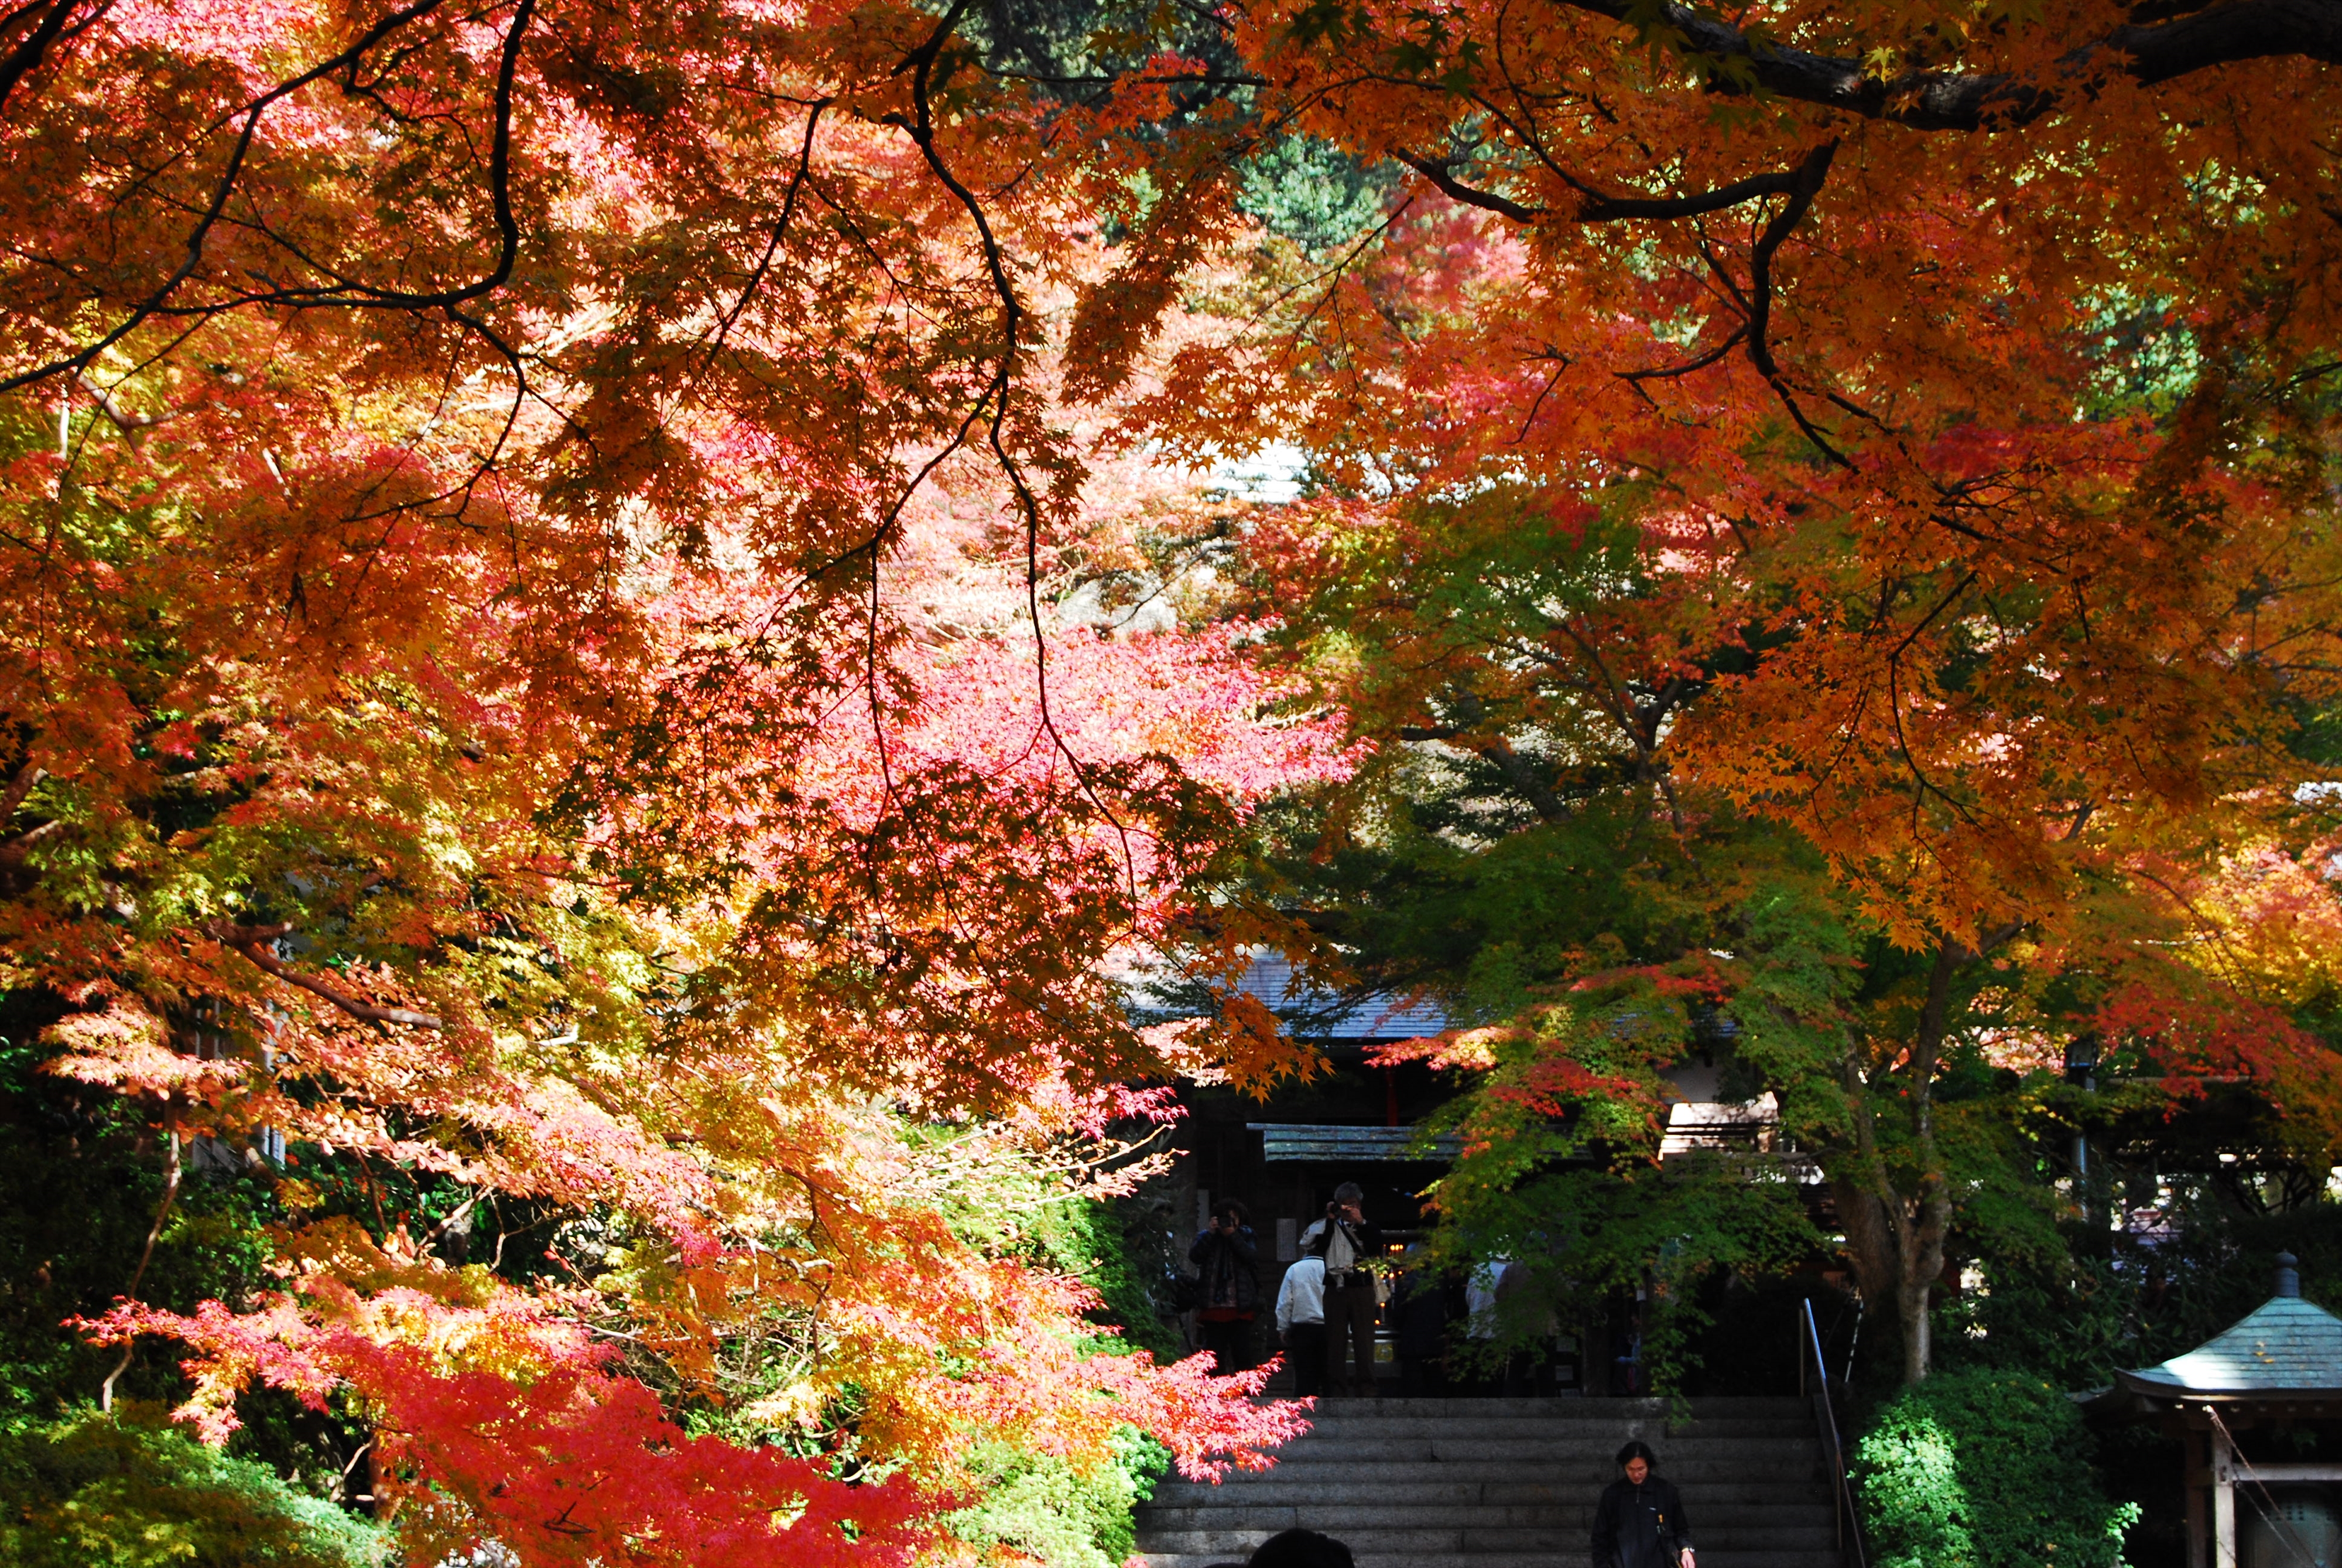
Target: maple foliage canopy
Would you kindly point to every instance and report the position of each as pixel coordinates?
(1908, 426)
(1962, 368)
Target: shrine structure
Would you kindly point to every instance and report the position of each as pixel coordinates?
(2278, 1369)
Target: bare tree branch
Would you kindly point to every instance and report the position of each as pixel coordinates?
(171, 1170)
(1603, 209)
(342, 292)
(1810, 175)
(2163, 51)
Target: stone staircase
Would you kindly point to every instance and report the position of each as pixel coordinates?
(1510, 1483)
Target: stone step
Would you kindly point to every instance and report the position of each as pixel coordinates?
(1509, 1484)
(1702, 1506)
(1594, 1457)
(1645, 1412)
(1554, 1459)
(1465, 1491)
(1721, 1520)
(1708, 1558)
(1370, 1477)
(1347, 1419)
(1561, 1405)
(1613, 1430)
(1388, 1539)
(1468, 1447)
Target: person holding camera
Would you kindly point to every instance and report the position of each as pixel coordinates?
(1228, 1288)
(1346, 1242)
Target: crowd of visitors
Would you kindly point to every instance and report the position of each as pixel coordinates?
(1327, 1307)
(1332, 1298)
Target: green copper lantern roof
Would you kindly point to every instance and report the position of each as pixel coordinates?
(2287, 1347)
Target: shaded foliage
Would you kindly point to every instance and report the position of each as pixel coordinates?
(85, 1491)
(1985, 1470)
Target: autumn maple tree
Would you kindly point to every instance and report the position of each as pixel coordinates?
(1905, 427)
(531, 666)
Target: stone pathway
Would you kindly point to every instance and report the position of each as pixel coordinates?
(1510, 1483)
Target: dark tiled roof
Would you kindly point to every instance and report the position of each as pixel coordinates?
(1313, 1014)
(2287, 1346)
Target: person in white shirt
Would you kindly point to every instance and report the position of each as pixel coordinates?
(1301, 1324)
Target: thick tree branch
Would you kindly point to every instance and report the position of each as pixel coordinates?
(1965, 101)
(1634, 379)
(14, 851)
(1457, 191)
(21, 784)
(1805, 187)
(1601, 207)
(1496, 752)
(1605, 209)
(248, 941)
(1800, 185)
(1518, 773)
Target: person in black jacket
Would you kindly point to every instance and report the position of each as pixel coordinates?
(1640, 1522)
(1228, 1291)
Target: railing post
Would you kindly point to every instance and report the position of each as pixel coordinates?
(1849, 1527)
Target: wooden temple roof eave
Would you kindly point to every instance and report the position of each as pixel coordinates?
(2131, 1384)
(2119, 1406)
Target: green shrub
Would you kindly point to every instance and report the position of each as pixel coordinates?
(1040, 1506)
(92, 1492)
(1985, 1469)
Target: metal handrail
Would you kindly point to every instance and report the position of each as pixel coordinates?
(1849, 1523)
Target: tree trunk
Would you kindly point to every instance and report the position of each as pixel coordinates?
(1896, 1237)
(1911, 1306)
(1869, 1239)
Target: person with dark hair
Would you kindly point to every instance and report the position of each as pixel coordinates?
(1301, 1549)
(1229, 1288)
(1346, 1242)
(1640, 1522)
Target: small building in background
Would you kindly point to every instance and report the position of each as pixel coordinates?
(2259, 1408)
